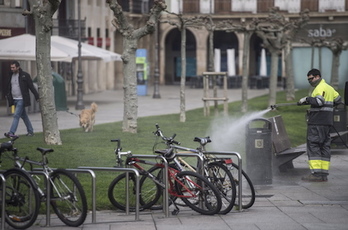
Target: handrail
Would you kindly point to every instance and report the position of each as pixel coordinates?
(239, 172)
(3, 180)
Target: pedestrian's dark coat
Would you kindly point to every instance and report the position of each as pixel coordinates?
(25, 84)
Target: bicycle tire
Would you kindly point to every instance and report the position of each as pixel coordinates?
(149, 193)
(206, 198)
(248, 190)
(68, 199)
(22, 199)
(221, 177)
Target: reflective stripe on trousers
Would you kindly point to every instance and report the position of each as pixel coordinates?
(318, 148)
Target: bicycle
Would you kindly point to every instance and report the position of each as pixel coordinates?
(215, 171)
(66, 194)
(21, 199)
(248, 191)
(192, 188)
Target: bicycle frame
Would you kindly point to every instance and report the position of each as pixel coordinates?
(133, 161)
(45, 170)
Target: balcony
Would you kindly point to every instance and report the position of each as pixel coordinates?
(69, 28)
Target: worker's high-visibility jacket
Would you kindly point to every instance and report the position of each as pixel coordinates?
(320, 118)
(322, 101)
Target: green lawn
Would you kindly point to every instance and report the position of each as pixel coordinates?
(95, 149)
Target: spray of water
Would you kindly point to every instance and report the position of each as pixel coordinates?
(228, 133)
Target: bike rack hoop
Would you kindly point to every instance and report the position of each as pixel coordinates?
(165, 175)
(127, 170)
(90, 172)
(239, 172)
(3, 187)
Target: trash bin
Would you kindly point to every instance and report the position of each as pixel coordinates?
(259, 151)
(339, 124)
(59, 91)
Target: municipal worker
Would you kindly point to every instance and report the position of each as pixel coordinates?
(320, 118)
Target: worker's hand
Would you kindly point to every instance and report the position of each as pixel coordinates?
(302, 101)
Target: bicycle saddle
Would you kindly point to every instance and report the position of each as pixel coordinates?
(202, 140)
(169, 154)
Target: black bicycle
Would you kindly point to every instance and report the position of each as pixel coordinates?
(24, 191)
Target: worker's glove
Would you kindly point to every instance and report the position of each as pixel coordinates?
(303, 101)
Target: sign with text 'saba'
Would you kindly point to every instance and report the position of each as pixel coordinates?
(323, 31)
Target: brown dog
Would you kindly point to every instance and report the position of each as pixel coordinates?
(87, 118)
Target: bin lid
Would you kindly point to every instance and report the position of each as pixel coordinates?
(259, 124)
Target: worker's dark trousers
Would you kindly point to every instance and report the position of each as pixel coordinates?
(318, 148)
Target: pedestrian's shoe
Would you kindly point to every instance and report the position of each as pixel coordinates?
(313, 178)
(29, 134)
(9, 135)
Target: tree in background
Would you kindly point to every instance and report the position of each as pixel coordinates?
(276, 33)
(42, 12)
(181, 23)
(131, 37)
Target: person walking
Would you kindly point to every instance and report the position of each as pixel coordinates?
(18, 86)
(319, 120)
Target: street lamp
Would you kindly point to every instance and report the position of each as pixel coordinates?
(156, 93)
(79, 102)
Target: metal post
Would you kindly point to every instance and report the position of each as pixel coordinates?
(79, 103)
(156, 93)
(3, 187)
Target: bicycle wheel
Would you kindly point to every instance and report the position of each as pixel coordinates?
(22, 199)
(149, 192)
(68, 199)
(221, 177)
(248, 191)
(198, 193)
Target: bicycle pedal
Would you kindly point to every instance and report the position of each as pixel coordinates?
(175, 212)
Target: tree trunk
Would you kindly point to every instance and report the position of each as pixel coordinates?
(130, 112)
(130, 40)
(245, 77)
(290, 83)
(43, 21)
(273, 78)
(183, 75)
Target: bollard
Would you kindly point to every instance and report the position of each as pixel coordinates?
(259, 151)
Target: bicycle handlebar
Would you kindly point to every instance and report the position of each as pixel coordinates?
(8, 146)
(168, 140)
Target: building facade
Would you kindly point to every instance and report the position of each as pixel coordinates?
(328, 19)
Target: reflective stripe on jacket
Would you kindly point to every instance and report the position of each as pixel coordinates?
(322, 101)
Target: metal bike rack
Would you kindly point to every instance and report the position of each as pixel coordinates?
(239, 172)
(92, 174)
(48, 194)
(165, 175)
(3, 187)
(127, 170)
